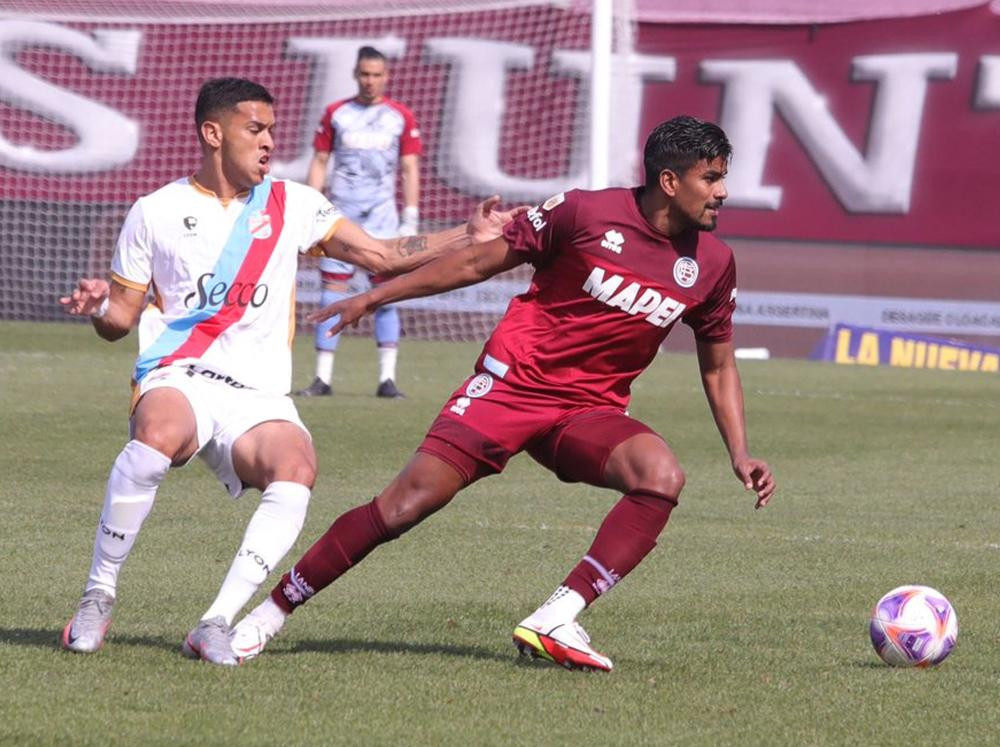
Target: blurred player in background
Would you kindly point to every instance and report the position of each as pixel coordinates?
(218, 252)
(614, 271)
(369, 136)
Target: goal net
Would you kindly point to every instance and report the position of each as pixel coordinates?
(96, 109)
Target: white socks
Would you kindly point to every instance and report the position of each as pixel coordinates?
(269, 535)
(387, 363)
(559, 609)
(135, 477)
(324, 365)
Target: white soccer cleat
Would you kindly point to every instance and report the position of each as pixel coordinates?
(84, 633)
(567, 645)
(253, 632)
(209, 641)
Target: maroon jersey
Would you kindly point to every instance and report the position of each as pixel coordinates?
(607, 289)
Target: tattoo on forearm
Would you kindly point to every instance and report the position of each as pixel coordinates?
(411, 245)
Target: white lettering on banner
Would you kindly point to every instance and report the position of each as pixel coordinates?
(332, 80)
(107, 139)
(819, 310)
(881, 182)
(988, 90)
(877, 178)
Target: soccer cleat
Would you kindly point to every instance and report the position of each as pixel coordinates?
(388, 390)
(209, 641)
(566, 645)
(84, 633)
(318, 388)
(252, 634)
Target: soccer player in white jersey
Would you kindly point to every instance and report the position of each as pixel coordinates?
(217, 253)
(370, 136)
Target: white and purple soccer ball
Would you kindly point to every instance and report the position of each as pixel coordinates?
(913, 626)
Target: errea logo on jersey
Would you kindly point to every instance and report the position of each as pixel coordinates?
(613, 241)
(633, 299)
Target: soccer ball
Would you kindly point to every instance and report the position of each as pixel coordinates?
(913, 626)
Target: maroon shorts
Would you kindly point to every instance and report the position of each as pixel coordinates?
(486, 422)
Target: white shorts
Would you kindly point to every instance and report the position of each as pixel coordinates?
(223, 412)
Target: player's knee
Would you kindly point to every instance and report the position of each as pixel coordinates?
(662, 476)
(168, 438)
(405, 506)
(300, 471)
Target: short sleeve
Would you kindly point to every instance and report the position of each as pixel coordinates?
(712, 321)
(543, 229)
(132, 263)
(323, 137)
(409, 140)
(322, 220)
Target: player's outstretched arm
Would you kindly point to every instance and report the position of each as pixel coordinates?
(724, 391)
(353, 244)
(456, 270)
(113, 308)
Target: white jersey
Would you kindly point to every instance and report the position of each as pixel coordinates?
(222, 274)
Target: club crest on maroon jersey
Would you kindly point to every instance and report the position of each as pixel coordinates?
(685, 272)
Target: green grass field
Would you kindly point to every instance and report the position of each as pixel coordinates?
(743, 627)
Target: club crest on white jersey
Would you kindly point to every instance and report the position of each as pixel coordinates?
(259, 225)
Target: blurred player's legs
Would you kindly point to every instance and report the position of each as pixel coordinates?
(335, 277)
(387, 328)
(382, 221)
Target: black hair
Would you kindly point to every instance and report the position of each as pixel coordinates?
(225, 93)
(679, 143)
(369, 53)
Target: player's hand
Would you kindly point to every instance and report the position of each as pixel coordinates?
(756, 476)
(487, 222)
(350, 310)
(87, 298)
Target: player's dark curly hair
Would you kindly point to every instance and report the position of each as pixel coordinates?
(225, 93)
(679, 143)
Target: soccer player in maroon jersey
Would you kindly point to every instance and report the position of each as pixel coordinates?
(615, 269)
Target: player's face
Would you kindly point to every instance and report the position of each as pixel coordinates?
(247, 143)
(372, 78)
(699, 193)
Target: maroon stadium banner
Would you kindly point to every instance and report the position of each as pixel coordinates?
(871, 131)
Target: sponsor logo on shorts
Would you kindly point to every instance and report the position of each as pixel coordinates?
(193, 370)
(685, 272)
(461, 405)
